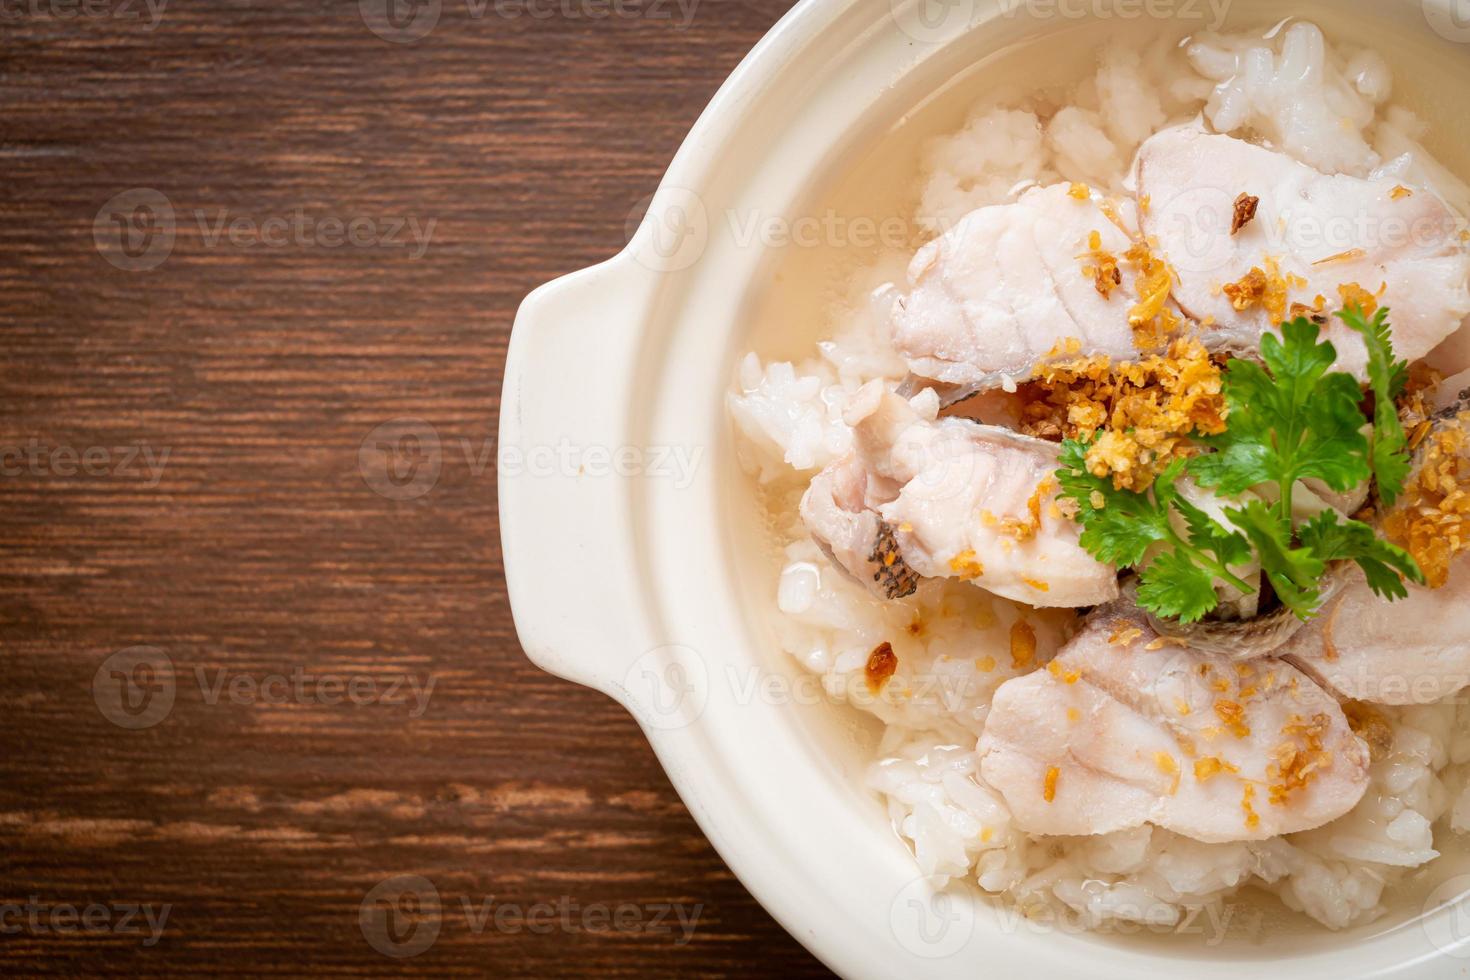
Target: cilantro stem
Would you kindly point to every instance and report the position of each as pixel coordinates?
(1204, 560)
(1286, 478)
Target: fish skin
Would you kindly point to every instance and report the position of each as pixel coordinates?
(839, 509)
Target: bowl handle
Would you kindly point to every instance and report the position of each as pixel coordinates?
(564, 500)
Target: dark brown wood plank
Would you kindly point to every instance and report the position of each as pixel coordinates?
(218, 398)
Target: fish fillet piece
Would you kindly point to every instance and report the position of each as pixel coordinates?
(1415, 650)
(995, 295)
(1311, 235)
(1113, 734)
(976, 502)
(840, 509)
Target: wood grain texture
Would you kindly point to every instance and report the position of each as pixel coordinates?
(255, 558)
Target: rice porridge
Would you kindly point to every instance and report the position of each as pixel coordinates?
(1032, 265)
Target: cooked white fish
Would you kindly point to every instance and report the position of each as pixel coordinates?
(1121, 730)
(1413, 651)
(1310, 236)
(840, 509)
(996, 294)
(978, 503)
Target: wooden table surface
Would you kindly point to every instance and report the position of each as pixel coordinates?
(264, 711)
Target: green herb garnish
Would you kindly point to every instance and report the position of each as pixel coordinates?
(1386, 379)
(1290, 420)
(1121, 526)
(1293, 419)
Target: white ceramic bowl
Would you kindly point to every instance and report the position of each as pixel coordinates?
(629, 544)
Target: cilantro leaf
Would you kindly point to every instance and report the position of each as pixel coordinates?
(1334, 449)
(1387, 378)
(1126, 525)
(1244, 455)
(1290, 418)
(1122, 527)
(1296, 360)
(1384, 565)
(1173, 585)
(1294, 572)
(1205, 533)
(1296, 421)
